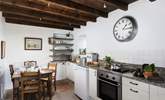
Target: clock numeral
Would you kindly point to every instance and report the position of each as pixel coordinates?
(130, 24)
(130, 32)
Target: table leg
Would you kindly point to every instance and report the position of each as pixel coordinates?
(50, 86)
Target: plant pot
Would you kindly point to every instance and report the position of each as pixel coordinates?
(148, 74)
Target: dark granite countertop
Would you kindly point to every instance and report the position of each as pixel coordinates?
(160, 70)
(156, 83)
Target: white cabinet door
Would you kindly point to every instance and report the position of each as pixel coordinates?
(61, 71)
(69, 70)
(157, 93)
(134, 90)
(81, 82)
(68, 65)
(93, 84)
(76, 80)
(129, 93)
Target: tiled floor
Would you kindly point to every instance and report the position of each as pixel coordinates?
(64, 92)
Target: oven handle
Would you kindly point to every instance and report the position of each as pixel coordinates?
(109, 83)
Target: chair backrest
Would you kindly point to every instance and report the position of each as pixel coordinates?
(53, 67)
(30, 79)
(30, 63)
(11, 70)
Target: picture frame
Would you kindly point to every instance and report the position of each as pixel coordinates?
(33, 43)
(3, 49)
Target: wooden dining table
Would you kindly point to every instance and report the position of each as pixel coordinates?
(44, 73)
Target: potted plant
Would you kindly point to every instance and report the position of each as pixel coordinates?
(148, 70)
(108, 61)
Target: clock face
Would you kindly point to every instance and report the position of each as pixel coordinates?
(125, 29)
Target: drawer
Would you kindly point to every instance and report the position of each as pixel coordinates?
(135, 84)
(130, 93)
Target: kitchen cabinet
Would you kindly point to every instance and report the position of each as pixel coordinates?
(69, 71)
(157, 93)
(81, 82)
(134, 90)
(61, 71)
(93, 84)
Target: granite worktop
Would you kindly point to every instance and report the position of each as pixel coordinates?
(156, 83)
(159, 70)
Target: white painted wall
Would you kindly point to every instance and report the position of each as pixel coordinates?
(1, 60)
(79, 41)
(148, 45)
(15, 54)
(1, 38)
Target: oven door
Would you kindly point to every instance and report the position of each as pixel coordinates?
(108, 90)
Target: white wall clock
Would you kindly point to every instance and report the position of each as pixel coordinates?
(125, 29)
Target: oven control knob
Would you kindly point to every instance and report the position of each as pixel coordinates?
(113, 78)
(107, 76)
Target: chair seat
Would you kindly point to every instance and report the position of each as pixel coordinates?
(31, 88)
(44, 79)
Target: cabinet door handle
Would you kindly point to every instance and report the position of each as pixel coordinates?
(133, 90)
(133, 83)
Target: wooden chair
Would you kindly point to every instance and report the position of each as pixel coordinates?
(15, 84)
(53, 67)
(46, 81)
(30, 84)
(11, 68)
(30, 63)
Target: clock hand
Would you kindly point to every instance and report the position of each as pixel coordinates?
(124, 27)
(128, 28)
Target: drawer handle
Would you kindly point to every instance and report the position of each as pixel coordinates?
(133, 90)
(133, 83)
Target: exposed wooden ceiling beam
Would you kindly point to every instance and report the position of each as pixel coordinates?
(65, 14)
(31, 13)
(55, 7)
(57, 12)
(97, 4)
(39, 20)
(67, 4)
(117, 4)
(25, 22)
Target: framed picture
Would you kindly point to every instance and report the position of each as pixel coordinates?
(33, 43)
(3, 47)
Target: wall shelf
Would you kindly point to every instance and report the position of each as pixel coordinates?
(62, 44)
(61, 47)
(62, 50)
(57, 38)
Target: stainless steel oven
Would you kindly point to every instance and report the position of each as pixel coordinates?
(109, 86)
